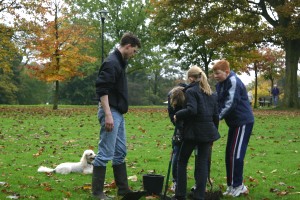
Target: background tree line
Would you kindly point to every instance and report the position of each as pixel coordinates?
(51, 50)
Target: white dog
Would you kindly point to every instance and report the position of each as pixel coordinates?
(84, 166)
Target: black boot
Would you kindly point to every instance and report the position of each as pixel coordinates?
(98, 182)
(120, 174)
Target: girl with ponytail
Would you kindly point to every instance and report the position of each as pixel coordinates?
(195, 74)
(200, 116)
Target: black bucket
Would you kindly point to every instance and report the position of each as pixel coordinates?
(153, 184)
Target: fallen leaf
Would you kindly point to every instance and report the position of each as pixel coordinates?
(151, 171)
(133, 178)
(274, 190)
(275, 170)
(281, 183)
(260, 172)
(48, 189)
(282, 193)
(151, 197)
(111, 185)
(2, 183)
(68, 194)
(295, 193)
(251, 179)
(87, 186)
(12, 197)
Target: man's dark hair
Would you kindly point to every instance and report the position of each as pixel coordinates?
(129, 38)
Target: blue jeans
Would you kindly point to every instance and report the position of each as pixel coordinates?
(275, 100)
(112, 145)
(176, 148)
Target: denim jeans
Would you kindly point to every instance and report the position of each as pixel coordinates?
(275, 100)
(112, 145)
(176, 148)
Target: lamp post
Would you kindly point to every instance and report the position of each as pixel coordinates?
(103, 14)
(149, 79)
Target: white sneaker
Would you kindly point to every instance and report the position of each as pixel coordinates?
(242, 189)
(193, 188)
(228, 191)
(173, 187)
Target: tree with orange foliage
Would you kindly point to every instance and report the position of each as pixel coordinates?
(60, 47)
(272, 65)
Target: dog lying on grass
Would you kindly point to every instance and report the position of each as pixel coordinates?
(84, 166)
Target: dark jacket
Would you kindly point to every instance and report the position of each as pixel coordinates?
(275, 91)
(200, 115)
(233, 102)
(112, 81)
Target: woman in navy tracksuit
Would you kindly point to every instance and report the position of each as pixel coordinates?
(234, 107)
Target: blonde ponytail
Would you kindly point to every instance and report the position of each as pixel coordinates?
(204, 84)
(200, 76)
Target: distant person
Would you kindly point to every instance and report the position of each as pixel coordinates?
(275, 95)
(234, 107)
(200, 116)
(250, 97)
(111, 88)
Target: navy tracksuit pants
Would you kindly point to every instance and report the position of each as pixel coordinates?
(237, 143)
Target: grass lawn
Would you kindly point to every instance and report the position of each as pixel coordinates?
(31, 136)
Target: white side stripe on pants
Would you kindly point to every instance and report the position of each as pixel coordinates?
(232, 170)
(240, 142)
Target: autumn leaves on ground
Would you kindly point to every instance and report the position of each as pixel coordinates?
(34, 136)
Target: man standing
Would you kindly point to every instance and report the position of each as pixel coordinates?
(275, 94)
(112, 91)
(234, 107)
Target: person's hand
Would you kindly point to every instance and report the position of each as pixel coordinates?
(174, 118)
(109, 123)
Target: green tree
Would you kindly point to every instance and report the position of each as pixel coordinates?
(79, 90)
(8, 90)
(125, 16)
(31, 90)
(10, 82)
(200, 32)
(284, 29)
(8, 49)
(10, 60)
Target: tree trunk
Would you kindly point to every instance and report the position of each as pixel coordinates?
(55, 96)
(272, 86)
(206, 68)
(255, 93)
(292, 51)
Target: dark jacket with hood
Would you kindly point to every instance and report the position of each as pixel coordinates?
(200, 116)
(112, 81)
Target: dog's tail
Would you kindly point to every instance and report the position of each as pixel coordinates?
(45, 169)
